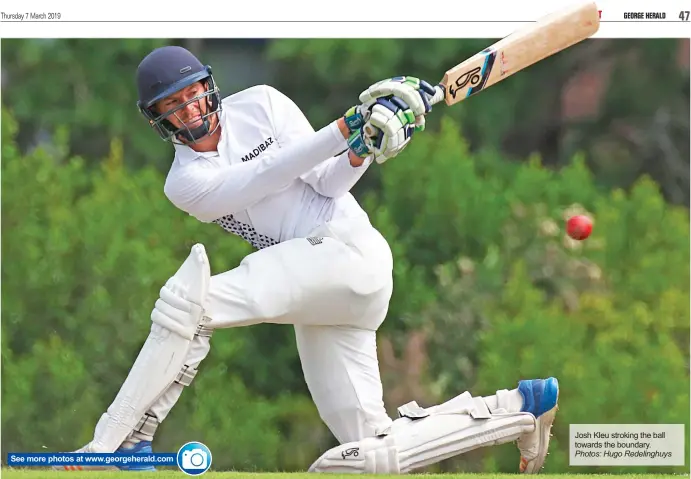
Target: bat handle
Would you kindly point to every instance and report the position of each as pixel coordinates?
(439, 95)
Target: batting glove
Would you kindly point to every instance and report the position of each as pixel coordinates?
(414, 92)
(387, 131)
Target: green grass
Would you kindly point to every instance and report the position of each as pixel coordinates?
(11, 473)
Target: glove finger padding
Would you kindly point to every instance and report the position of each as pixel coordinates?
(401, 140)
(413, 91)
(403, 91)
(389, 129)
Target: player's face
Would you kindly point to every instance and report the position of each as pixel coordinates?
(191, 114)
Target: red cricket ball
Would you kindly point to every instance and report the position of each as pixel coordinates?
(579, 227)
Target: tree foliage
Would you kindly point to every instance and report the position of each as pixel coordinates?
(88, 86)
(603, 97)
(86, 254)
(514, 297)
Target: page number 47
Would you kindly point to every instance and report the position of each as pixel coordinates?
(684, 16)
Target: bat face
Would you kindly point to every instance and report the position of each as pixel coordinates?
(521, 49)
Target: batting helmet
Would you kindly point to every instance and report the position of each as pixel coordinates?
(166, 71)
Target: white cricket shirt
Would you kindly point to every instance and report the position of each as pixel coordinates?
(273, 177)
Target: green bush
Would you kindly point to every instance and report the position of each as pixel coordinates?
(516, 298)
(85, 255)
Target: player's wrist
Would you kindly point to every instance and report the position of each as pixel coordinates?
(355, 161)
(343, 128)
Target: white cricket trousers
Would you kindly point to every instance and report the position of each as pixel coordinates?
(334, 287)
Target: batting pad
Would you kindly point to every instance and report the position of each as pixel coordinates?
(421, 437)
(176, 316)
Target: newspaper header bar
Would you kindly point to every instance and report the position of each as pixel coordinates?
(274, 19)
(316, 10)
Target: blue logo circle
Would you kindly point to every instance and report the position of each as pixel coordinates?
(194, 458)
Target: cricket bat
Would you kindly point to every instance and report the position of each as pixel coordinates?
(519, 50)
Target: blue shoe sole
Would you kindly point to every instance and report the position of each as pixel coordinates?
(142, 447)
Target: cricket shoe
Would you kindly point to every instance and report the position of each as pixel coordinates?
(540, 398)
(143, 447)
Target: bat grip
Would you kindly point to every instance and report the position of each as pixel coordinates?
(439, 95)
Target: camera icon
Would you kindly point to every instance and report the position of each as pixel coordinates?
(194, 458)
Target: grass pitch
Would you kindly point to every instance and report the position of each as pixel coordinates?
(12, 473)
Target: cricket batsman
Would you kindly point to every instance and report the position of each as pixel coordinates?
(252, 164)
